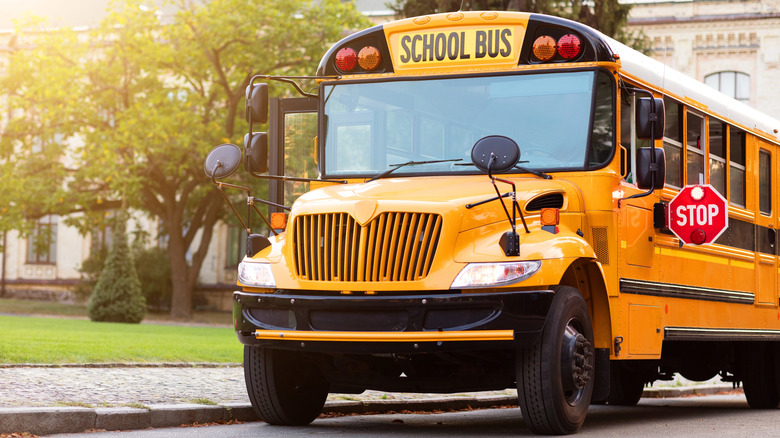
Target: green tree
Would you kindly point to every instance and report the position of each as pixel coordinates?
(117, 296)
(608, 16)
(126, 112)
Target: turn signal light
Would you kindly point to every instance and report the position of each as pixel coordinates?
(346, 59)
(369, 58)
(550, 216)
(278, 221)
(544, 48)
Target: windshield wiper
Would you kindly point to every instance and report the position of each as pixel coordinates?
(538, 173)
(395, 167)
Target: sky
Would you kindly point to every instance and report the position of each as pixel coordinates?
(69, 13)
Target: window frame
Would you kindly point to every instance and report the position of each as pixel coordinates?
(48, 257)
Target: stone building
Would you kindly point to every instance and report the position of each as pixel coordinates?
(733, 46)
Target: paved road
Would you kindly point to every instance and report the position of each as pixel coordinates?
(707, 416)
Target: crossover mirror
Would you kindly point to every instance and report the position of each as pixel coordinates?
(222, 161)
(495, 153)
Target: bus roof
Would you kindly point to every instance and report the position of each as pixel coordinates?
(596, 47)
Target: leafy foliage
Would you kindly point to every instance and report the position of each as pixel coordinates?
(117, 295)
(123, 114)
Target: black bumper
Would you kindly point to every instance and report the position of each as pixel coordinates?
(391, 324)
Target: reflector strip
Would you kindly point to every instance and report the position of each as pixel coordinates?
(431, 336)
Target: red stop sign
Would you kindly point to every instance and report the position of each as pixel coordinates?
(698, 214)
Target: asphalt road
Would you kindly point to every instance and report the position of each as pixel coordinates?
(707, 416)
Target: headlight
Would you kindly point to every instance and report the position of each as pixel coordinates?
(476, 275)
(256, 275)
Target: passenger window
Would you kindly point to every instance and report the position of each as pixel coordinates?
(717, 137)
(694, 141)
(673, 143)
(765, 182)
(737, 166)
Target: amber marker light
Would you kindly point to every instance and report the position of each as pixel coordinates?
(569, 46)
(278, 221)
(346, 59)
(544, 48)
(369, 58)
(550, 216)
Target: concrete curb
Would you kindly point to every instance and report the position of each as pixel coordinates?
(51, 420)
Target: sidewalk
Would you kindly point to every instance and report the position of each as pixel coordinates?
(45, 400)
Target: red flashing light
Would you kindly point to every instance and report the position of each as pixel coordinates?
(698, 236)
(569, 46)
(346, 59)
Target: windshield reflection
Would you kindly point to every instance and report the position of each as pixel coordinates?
(373, 125)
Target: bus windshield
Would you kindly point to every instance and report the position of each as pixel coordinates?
(556, 119)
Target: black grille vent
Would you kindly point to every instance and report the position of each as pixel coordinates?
(554, 200)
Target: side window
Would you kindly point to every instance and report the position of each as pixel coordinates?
(737, 166)
(765, 182)
(673, 143)
(694, 144)
(717, 137)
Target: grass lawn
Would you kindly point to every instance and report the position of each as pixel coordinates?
(36, 340)
(30, 307)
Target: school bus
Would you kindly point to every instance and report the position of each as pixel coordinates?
(490, 211)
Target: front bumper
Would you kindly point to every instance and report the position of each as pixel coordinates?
(391, 324)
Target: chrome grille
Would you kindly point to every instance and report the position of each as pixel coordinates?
(394, 246)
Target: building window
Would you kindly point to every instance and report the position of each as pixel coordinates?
(236, 246)
(42, 241)
(673, 143)
(694, 143)
(765, 182)
(717, 137)
(732, 83)
(737, 166)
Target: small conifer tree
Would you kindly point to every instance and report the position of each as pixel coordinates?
(117, 296)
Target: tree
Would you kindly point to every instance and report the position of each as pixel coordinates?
(117, 296)
(608, 16)
(128, 111)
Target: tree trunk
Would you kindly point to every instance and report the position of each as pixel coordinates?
(181, 297)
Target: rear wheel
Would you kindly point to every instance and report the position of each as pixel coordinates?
(625, 384)
(760, 369)
(555, 376)
(284, 387)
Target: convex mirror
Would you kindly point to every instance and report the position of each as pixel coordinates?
(504, 149)
(222, 161)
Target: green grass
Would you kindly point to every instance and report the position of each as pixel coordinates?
(30, 307)
(37, 340)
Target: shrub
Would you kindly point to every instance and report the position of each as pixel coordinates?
(117, 296)
(154, 272)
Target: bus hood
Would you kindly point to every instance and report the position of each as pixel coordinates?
(447, 196)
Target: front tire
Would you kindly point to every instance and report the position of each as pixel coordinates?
(285, 388)
(555, 376)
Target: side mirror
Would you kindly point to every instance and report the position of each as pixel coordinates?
(495, 153)
(645, 115)
(645, 168)
(256, 154)
(257, 103)
(222, 161)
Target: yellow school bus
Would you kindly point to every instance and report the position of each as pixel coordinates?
(490, 211)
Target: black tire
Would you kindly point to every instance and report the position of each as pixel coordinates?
(625, 385)
(555, 376)
(285, 389)
(760, 370)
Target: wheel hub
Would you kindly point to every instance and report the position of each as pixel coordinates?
(576, 363)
